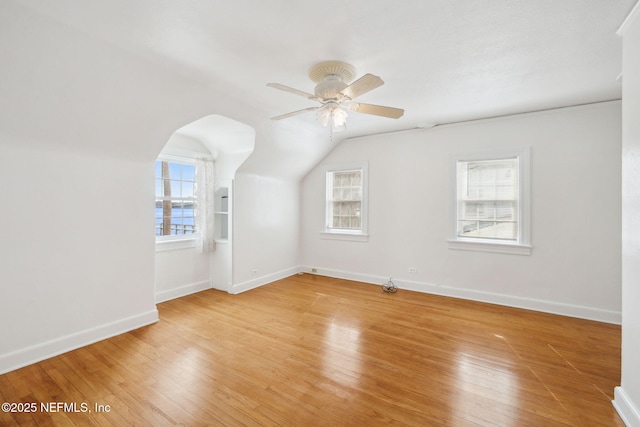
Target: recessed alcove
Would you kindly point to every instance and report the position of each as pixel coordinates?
(181, 266)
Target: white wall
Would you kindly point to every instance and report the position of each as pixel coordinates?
(180, 272)
(266, 230)
(75, 263)
(81, 124)
(574, 267)
(627, 396)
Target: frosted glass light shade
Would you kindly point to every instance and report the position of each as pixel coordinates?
(332, 113)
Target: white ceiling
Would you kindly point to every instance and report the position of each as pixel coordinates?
(220, 134)
(442, 60)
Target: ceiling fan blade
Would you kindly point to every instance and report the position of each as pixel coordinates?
(361, 86)
(292, 90)
(376, 110)
(294, 113)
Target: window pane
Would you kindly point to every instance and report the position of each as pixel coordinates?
(187, 189)
(346, 209)
(355, 206)
(176, 188)
(188, 224)
(336, 208)
(175, 170)
(159, 188)
(489, 229)
(354, 222)
(176, 226)
(188, 172)
(501, 210)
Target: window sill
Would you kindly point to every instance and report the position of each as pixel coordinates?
(344, 235)
(175, 244)
(496, 247)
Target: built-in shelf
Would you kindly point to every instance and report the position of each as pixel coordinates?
(223, 230)
(222, 214)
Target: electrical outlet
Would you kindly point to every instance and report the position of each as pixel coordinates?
(314, 270)
(413, 270)
(254, 272)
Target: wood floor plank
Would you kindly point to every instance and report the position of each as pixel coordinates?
(312, 350)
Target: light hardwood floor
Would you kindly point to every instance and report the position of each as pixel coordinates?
(315, 351)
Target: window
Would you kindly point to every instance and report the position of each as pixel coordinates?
(175, 199)
(488, 199)
(491, 203)
(346, 201)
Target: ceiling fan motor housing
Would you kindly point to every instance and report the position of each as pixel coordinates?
(332, 77)
(330, 87)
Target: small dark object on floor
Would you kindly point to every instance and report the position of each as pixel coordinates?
(390, 287)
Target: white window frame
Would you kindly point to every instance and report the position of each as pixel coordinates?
(174, 242)
(522, 246)
(360, 235)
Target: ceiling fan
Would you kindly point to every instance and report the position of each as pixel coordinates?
(336, 95)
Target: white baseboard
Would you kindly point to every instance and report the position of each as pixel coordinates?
(182, 291)
(27, 356)
(589, 313)
(263, 280)
(626, 408)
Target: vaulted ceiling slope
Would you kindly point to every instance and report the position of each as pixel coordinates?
(442, 61)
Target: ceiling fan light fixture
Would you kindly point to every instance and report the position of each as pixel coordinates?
(339, 118)
(332, 114)
(323, 115)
